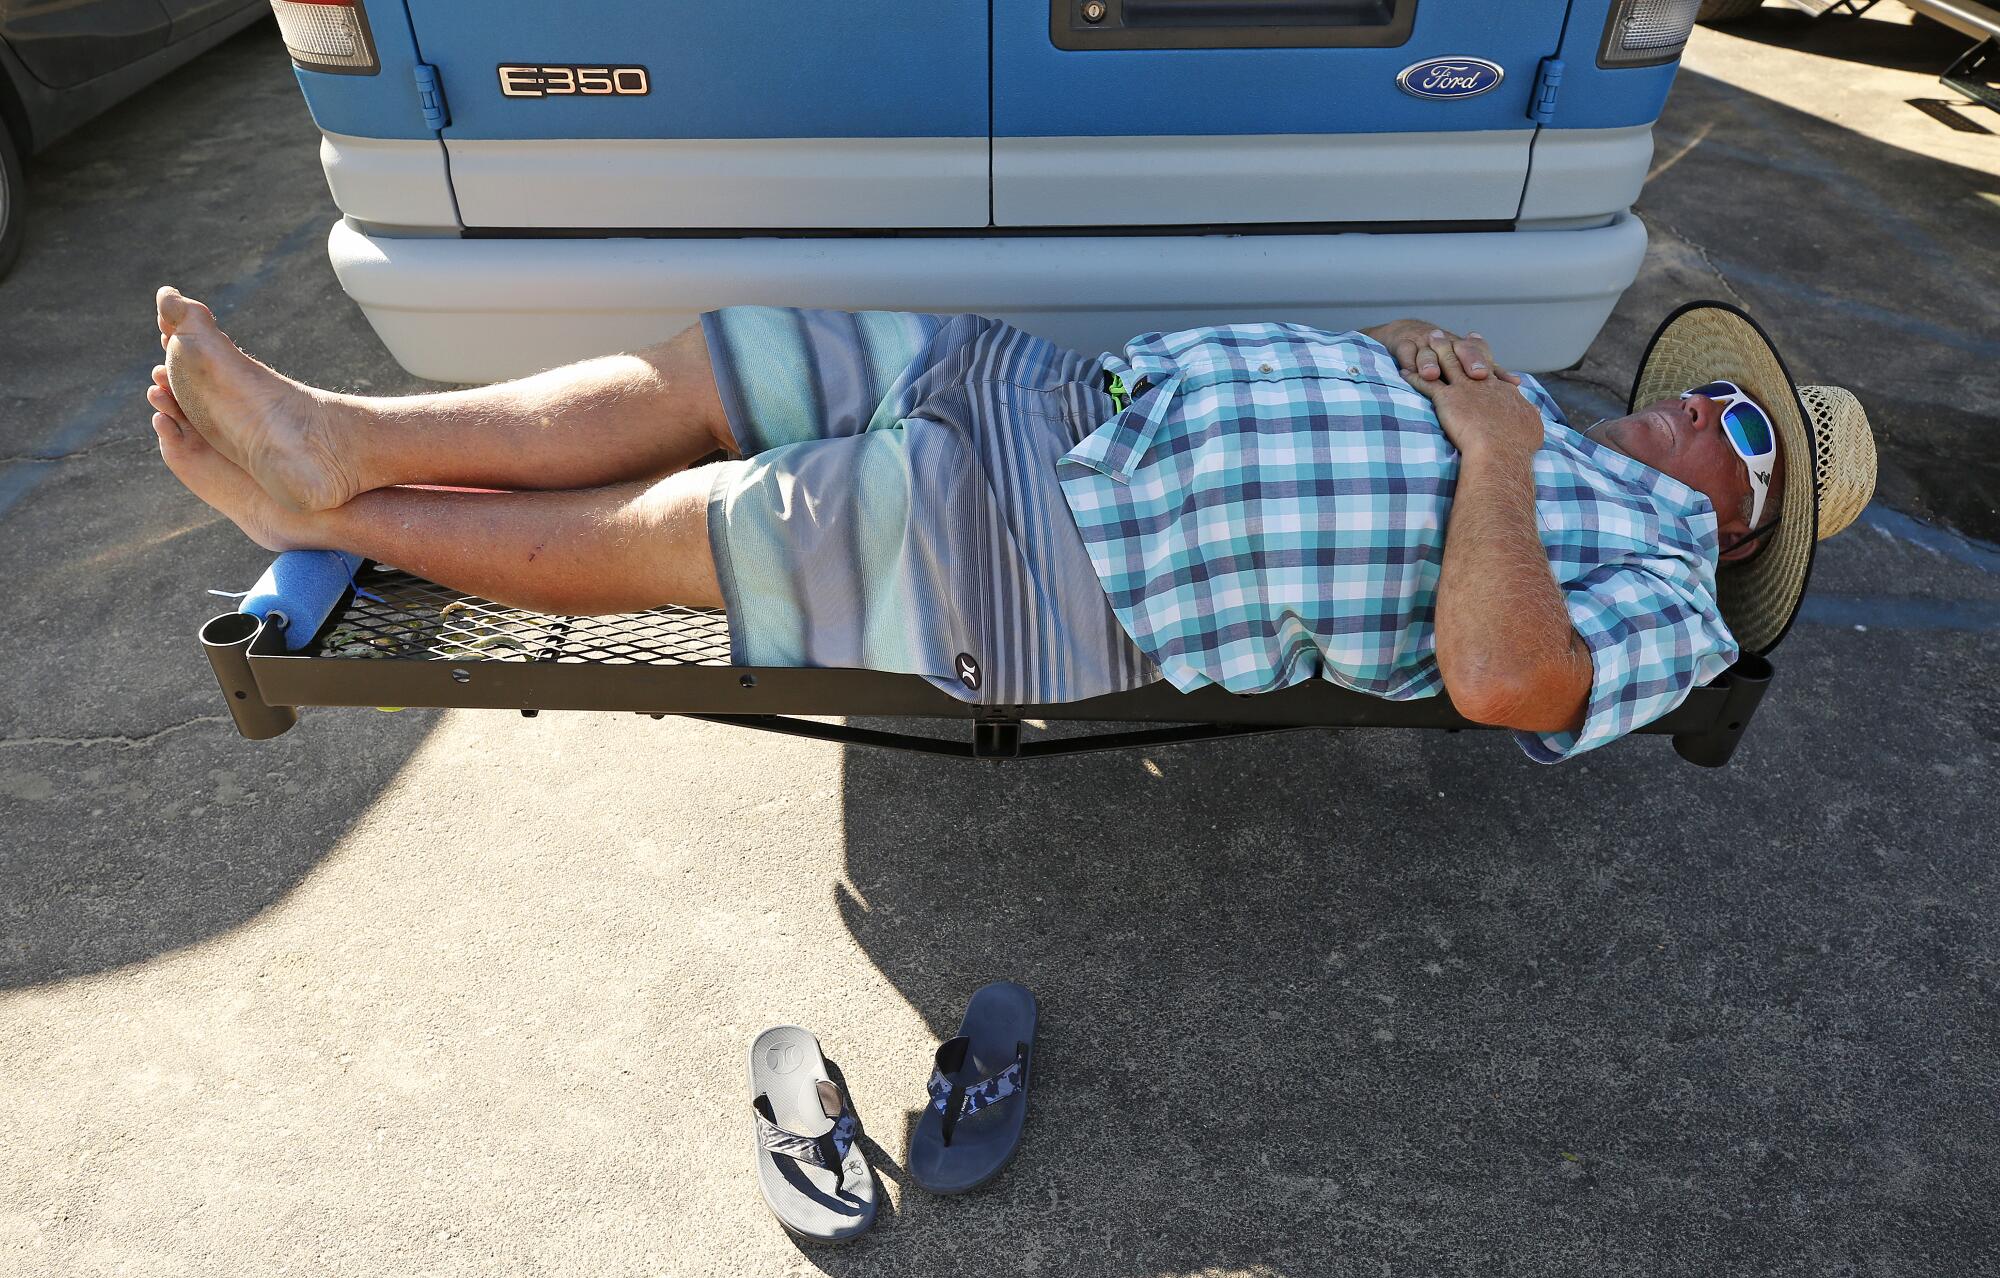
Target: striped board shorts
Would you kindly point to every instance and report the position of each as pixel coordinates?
(895, 506)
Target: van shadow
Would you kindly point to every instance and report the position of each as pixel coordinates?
(1350, 1003)
(134, 822)
(165, 829)
(130, 853)
(1299, 994)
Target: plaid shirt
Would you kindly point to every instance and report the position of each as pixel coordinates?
(1274, 510)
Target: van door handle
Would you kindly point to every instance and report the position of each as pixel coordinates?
(1259, 13)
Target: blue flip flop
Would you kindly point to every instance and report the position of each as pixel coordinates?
(810, 1166)
(978, 1094)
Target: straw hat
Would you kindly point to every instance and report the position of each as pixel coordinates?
(1713, 341)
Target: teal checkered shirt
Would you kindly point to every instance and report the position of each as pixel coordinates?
(1274, 510)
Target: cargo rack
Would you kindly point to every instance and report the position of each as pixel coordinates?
(396, 640)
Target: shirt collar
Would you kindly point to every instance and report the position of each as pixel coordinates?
(1679, 498)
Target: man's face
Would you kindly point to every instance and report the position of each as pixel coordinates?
(1684, 438)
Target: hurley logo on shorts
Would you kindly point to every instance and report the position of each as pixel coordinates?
(968, 671)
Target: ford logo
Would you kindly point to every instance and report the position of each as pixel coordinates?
(1450, 77)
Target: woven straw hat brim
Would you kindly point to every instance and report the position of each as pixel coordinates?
(1714, 341)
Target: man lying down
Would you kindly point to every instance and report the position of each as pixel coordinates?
(1250, 506)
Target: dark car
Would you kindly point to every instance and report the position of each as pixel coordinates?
(63, 61)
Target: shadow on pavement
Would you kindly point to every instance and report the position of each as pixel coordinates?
(123, 848)
(1410, 998)
(1869, 263)
(133, 820)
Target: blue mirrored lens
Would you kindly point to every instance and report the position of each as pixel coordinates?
(1748, 426)
(1715, 390)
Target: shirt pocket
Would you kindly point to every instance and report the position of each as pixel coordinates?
(1582, 529)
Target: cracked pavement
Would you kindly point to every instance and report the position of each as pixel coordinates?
(459, 993)
(123, 742)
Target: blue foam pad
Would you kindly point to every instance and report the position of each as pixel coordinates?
(306, 586)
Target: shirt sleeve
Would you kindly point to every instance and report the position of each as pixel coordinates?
(1654, 634)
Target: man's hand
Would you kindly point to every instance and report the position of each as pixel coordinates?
(1412, 341)
(1481, 414)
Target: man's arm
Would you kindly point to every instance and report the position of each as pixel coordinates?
(1505, 646)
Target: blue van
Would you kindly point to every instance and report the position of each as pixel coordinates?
(524, 183)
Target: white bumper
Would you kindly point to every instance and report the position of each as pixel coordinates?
(479, 310)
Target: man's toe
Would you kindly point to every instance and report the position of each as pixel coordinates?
(170, 305)
(163, 401)
(177, 310)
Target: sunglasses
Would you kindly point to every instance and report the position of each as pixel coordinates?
(1752, 436)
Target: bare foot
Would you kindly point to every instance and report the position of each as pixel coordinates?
(229, 488)
(267, 424)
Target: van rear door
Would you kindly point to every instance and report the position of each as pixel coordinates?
(653, 114)
(1191, 112)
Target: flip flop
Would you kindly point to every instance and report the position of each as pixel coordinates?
(979, 1094)
(810, 1166)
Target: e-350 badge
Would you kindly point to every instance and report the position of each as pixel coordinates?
(565, 81)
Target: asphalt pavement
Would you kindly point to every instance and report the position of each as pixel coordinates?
(462, 993)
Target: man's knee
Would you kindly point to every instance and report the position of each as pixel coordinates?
(683, 363)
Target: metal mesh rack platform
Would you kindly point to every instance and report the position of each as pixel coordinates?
(399, 640)
(408, 618)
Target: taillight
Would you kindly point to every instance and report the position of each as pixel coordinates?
(327, 35)
(1641, 32)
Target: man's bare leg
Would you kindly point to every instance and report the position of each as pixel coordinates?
(603, 421)
(622, 548)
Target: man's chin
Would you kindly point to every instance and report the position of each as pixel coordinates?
(1616, 434)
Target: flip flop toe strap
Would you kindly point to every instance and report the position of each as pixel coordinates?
(828, 1151)
(957, 1099)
